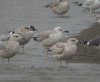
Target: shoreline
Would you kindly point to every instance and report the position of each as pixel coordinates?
(87, 54)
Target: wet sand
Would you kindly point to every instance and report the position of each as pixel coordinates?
(88, 54)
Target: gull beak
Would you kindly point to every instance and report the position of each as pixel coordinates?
(66, 31)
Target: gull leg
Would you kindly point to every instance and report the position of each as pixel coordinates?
(3, 61)
(8, 60)
(93, 11)
(60, 62)
(23, 49)
(66, 62)
(83, 10)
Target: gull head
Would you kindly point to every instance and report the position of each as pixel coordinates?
(16, 37)
(73, 41)
(60, 29)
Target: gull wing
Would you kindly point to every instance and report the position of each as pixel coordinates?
(2, 45)
(94, 42)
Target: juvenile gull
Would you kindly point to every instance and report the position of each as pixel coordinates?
(59, 7)
(10, 48)
(63, 51)
(27, 33)
(49, 38)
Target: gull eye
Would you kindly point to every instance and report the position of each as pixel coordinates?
(60, 30)
(16, 36)
(27, 28)
(73, 40)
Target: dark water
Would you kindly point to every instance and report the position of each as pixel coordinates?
(35, 65)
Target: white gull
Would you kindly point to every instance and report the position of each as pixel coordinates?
(49, 38)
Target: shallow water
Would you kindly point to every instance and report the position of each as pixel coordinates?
(35, 65)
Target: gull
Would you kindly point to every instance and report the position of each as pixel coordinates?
(94, 6)
(59, 7)
(97, 18)
(10, 48)
(98, 21)
(86, 4)
(94, 42)
(27, 33)
(49, 38)
(91, 5)
(63, 51)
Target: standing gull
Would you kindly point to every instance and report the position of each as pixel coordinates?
(63, 51)
(97, 18)
(91, 5)
(49, 38)
(59, 7)
(86, 4)
(27, 33)
(10, 48)
(94, 6)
